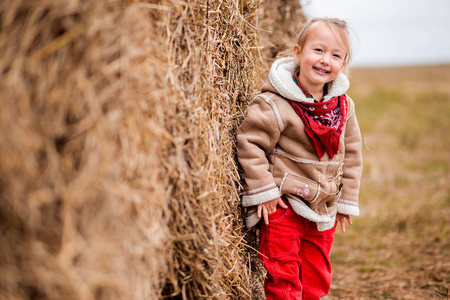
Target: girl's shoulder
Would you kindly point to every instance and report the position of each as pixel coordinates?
(276, 101)
(351, 106)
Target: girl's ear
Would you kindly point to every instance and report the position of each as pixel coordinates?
(297, 53)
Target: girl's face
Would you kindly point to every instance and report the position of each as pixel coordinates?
(322, 57)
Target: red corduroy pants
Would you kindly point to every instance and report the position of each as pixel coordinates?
(296, 256)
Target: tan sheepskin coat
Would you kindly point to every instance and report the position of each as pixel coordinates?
(278, 158)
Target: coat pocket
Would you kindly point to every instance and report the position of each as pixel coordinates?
(301, 186)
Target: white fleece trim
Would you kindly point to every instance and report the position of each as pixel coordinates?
(281, 76)
(250, 200)
(252, 220)
(257, 190)
(339, 87)
(347, 209)
(302, 209)
(324, 222)
(327, 225)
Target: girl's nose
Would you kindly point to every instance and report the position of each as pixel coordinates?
(325, 61)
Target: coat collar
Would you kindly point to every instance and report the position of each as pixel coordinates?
(281, 76)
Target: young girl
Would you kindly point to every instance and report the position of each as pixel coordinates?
(300, 150)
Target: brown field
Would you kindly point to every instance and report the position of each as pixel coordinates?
(399, 248)
(117, 168)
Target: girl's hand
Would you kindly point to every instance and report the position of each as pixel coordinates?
(341, 219)
(269, 207)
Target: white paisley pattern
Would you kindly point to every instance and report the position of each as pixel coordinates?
(331, 119)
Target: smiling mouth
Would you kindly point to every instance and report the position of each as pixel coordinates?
(321, 70)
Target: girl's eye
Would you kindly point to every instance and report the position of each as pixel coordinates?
(337, 55)
(318, 50)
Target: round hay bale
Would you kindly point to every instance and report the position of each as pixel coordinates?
(117, 167)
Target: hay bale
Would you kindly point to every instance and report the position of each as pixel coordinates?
(280, 25)
(117, 169)
(80, 199)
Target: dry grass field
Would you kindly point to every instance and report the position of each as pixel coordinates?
(399, 248)
(117, 169)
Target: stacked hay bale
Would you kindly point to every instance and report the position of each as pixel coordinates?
(117, 170)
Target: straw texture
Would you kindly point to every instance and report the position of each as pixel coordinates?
(117, 167)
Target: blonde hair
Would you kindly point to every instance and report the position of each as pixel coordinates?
(338, 26)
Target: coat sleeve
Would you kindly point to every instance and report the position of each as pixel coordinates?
(348, 203)
(256, 137)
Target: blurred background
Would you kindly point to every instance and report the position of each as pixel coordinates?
(118, 177)
(392, 33)
(399, 248)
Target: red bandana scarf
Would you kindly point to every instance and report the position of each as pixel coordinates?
(324, 121)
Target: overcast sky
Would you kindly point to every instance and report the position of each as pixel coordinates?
(392, 32)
